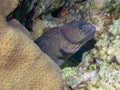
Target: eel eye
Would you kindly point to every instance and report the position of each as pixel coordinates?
(63, 52)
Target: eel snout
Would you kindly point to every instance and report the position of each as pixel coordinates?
(88, 30)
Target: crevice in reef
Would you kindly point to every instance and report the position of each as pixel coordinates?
(77, 57)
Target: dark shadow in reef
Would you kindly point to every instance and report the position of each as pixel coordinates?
(77, 57)
(56, 13)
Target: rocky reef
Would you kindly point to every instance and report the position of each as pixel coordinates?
(99, 69)
(108, 44)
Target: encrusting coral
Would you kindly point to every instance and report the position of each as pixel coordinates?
(23, 66)
(99, 68)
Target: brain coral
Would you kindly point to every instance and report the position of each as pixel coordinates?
(23, 66)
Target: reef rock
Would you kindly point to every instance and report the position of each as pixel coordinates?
(99, 69)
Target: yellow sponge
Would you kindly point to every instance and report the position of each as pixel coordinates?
(23, 66)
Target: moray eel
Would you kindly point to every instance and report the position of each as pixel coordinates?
(62, 42)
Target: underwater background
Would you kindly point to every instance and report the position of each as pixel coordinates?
(96, 65)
